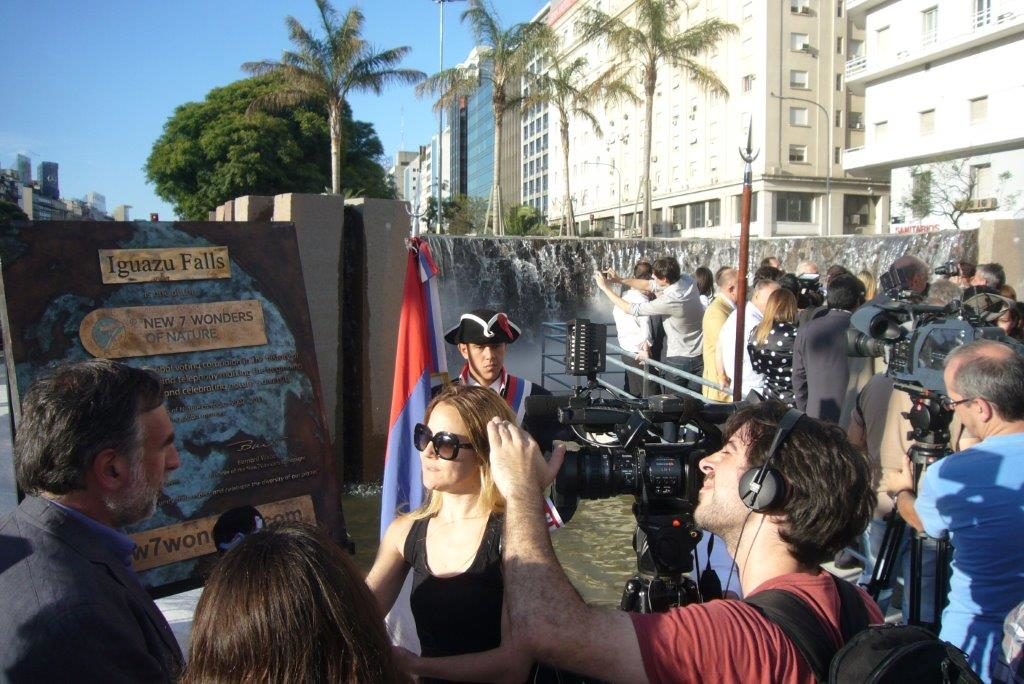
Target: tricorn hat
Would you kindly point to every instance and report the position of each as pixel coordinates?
(483, 326)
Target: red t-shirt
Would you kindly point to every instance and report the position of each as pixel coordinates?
(729, 641)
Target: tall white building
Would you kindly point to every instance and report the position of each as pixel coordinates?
(784, 70)
(942, 107)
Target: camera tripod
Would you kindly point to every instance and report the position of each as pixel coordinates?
(664, 540)
(930, 431)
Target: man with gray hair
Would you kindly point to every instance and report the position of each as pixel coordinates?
(976, 497)
(94, 445)
(913, 274)
(990, 275)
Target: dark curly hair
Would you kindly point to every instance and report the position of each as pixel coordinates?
(830, 498)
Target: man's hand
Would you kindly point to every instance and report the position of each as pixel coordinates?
(897, 480)
(601, 280)
(516, 461)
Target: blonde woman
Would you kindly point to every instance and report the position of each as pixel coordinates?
(870, 287)
(771, 346)
(452, 544)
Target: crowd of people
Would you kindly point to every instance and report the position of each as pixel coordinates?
(811, 467)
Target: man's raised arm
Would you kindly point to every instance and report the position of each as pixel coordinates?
(548, 616)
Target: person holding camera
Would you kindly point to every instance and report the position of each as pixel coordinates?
(678, 300)
(976, 496)
(778, 541)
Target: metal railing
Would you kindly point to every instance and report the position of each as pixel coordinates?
(553, 354)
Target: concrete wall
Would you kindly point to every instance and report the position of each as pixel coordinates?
(353, 269)
(1002, 241)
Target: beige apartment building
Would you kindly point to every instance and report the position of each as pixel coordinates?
(785, 72)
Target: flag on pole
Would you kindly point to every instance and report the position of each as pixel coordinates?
(420, 363)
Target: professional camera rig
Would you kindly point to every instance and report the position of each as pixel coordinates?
(649, 448)
(915, 338)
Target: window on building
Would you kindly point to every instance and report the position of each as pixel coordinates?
(856, 48)
(929, 25)
(881, 131)
(927, 121)
(921, 194)
(982, 13)
(882, 42)
(794, 207)
(856, 121)
(798, 116)
(798, 153)
(697, 215)
(839, 83)
(679, 215)
(838, 118)
(839, 45)
(799, 6)
(979, 109)
(837, 155)
(748, 83)
(797, 78)
(982, 186)
(839, 9)
(737, 205)
(714, 212)
(799, 41)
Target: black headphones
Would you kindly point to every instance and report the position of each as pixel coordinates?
(764, 489)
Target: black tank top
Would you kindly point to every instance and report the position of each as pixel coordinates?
(462, 613)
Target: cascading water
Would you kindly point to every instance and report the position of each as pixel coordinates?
(538, 280)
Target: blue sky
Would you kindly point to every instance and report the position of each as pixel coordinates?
(90, 83)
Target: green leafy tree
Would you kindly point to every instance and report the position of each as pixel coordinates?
(326, 69)
(565, 88)
(505, 55)
(212, 151)
(468, 215)
(651, 41)
(524, 220)
(9, 211)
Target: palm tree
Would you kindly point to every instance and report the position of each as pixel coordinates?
(654, 40)
(504, 56)
(330, 67)
(563, 87)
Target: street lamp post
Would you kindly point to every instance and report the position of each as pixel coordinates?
(618, 197)
(828, 155)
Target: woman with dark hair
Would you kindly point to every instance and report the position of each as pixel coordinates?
(1011, 323)
(452, 544)
(287, 605)
(705, 281)
(771, 346)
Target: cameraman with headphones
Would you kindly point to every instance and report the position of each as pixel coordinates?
(770, 493)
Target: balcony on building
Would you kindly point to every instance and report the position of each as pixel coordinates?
(993, 22)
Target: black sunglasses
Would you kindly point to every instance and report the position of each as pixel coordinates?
(446, 445)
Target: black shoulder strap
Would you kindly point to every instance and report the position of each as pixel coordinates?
(796, 619)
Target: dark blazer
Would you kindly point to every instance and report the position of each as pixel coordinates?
(69, 608)
(821, 370)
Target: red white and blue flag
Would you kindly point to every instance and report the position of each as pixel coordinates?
(420, 364)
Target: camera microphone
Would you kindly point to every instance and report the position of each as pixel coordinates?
(234, 525)
(541, 406)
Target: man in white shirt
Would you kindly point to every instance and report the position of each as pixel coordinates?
(634, 332)
(727, 339)
(678, 300)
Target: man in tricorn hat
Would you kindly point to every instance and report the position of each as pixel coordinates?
(482, 336)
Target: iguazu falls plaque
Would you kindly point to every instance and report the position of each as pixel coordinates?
(219, 311)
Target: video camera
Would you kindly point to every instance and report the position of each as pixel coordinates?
(648, 448)
(916, 338)
(950, 269)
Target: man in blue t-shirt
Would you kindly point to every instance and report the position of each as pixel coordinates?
(976, 496)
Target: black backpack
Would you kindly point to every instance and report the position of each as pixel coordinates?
(886, 654)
